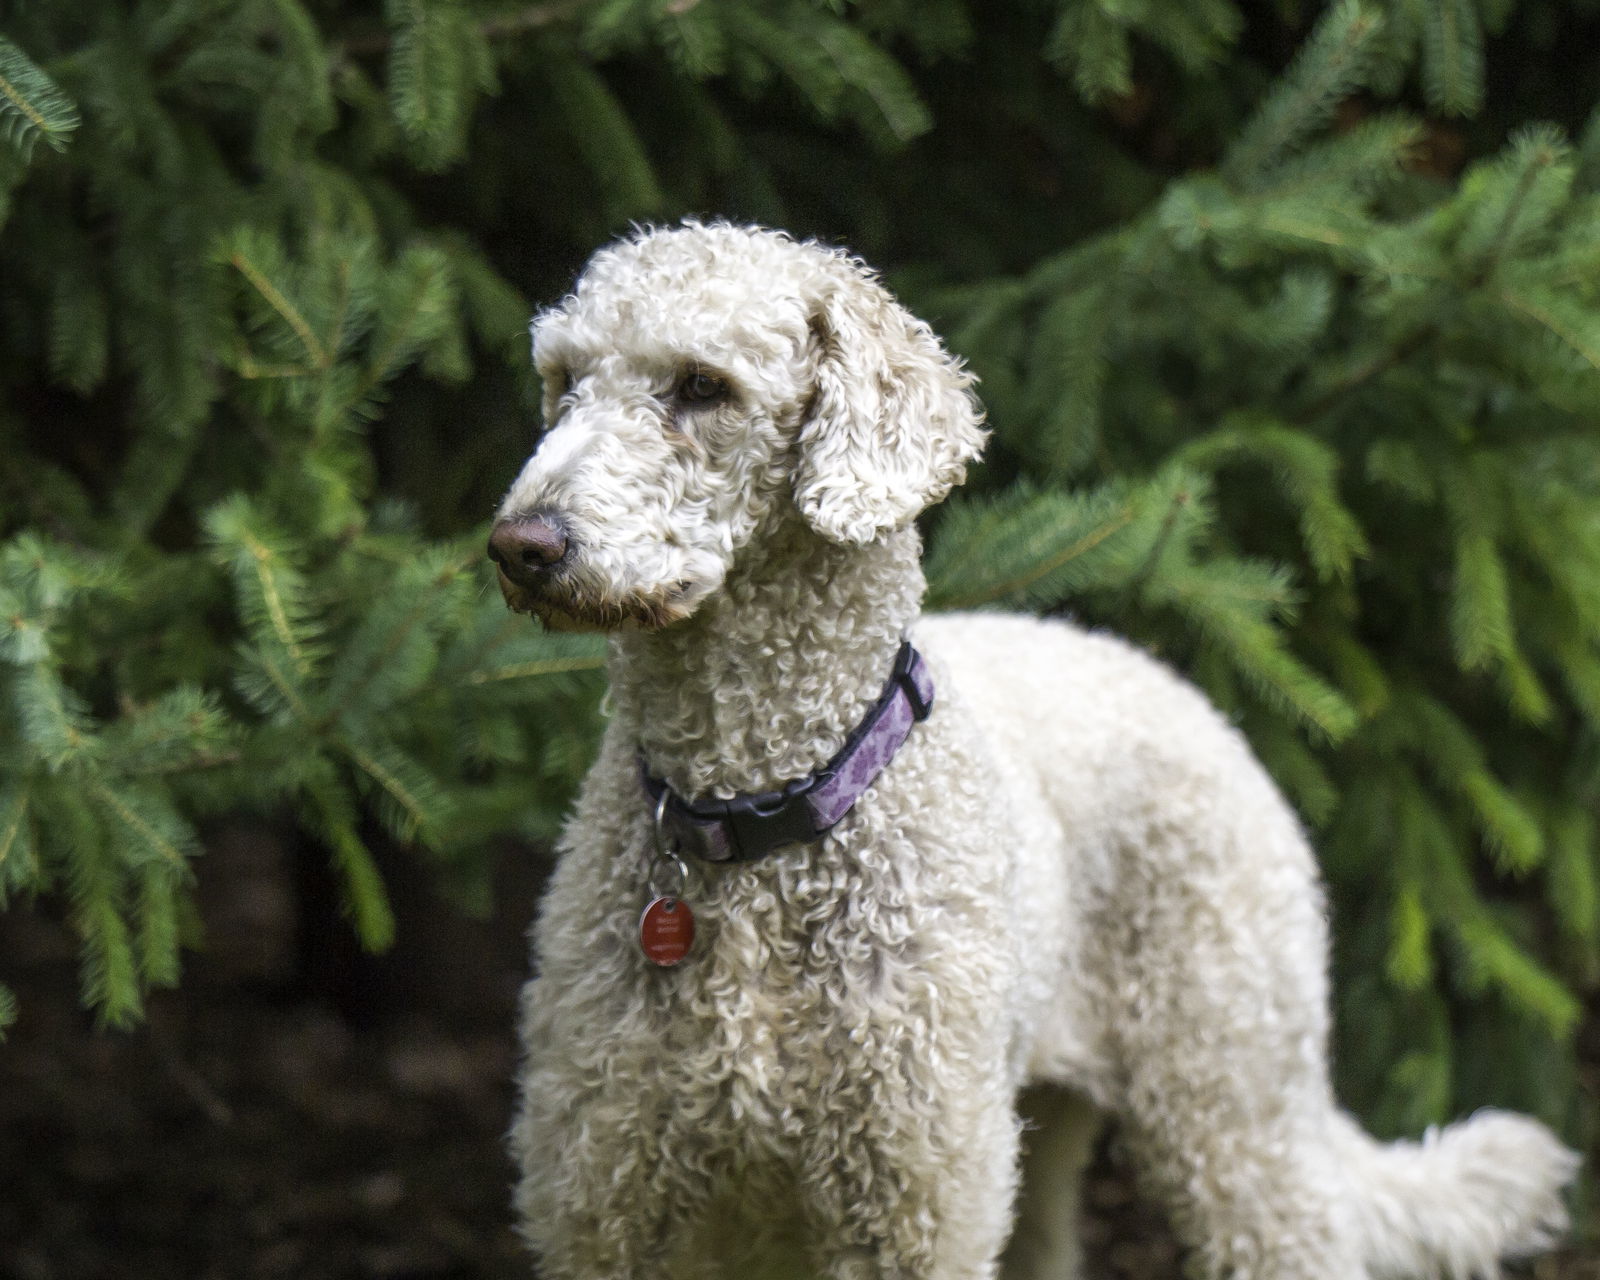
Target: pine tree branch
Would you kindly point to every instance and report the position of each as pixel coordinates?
(35, 106)
(1419, 338)
(281, 683)
(382, 362)
(363, 883)
(506, 27)
(200, 760)
(391, 784)
(1359, 378)
(134, 822)
(286, 309)
(341, 309)
(1045, 567)
(1329, 66)
(475, 658)
(276, 608)
(8, 837)
(403, 628)
(254, 371)
(1502, 235)
(1147, 567)
(23, 106)
(1541, 316)
(547, 667)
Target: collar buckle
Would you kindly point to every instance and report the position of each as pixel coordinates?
(769, 819)
(912, 677)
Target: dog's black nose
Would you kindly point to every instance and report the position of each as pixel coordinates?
(526, 547)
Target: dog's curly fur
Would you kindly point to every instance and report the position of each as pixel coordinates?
(1074, 874)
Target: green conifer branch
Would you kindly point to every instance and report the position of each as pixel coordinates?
(879, 77)
(31, 106)
(1498, 960)
(157, 932)
(1329, 66)
(1543, 315)
(110, 974)
(542, 667)
(365, 897)
(287, 689)
(416, 812)
(1574, 886)
(1409, 964)
(140, 827)
(14, 830)
(1306, 469)
(1141, 577)
(1424, 1078)
(52, 717)
(1453, 56)
(263, 558)
(401, 329)
(533, 17)
(1480, 614)
(202, 759)
(318, 354)
(247, 366)
(108, 971)
(1018, 583)
(1541, 155)
(347, 693)
(1349, 383)
(343, 301)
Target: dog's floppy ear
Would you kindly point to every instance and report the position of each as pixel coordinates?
(892, 422)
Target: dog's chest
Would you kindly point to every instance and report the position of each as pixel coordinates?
(800, 972)
(822, 980)
(816, 982)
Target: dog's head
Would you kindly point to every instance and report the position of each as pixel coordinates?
(700, 381)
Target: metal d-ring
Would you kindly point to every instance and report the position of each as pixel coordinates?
(665, 851)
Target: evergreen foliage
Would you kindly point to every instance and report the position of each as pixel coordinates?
(1288, 323)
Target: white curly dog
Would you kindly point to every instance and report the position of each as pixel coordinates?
(1069, 871)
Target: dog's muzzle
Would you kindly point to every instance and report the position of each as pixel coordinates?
(527, 548)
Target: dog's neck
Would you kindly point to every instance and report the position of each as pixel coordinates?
(766, 680)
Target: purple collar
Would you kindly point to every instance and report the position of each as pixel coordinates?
(750, 826)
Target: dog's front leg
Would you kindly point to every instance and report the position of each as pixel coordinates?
(610, 1176)
(899, 1189)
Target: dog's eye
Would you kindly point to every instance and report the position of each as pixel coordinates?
(701, 388)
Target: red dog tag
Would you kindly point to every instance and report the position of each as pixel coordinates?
(666, 931)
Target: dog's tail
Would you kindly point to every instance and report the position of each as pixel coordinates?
(1460, 1200)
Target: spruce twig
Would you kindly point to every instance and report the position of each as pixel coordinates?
(505, 27)
(1358, 378)
(380, 364)
(1044, 568)
(1331, 65)
(291, 315)
(1147, 567)
(200, 760)
(1543, 158)
(423, 607)
(31, 106)
(10, 836)
(544, 667)
(393, 786)
(1542, 316)
(272, 594)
